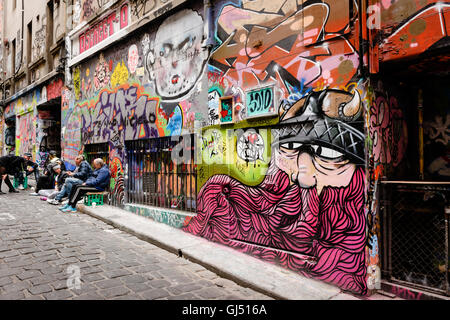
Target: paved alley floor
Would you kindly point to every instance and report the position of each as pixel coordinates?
(47, 254)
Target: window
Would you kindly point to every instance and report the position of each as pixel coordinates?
(98, 150)
(155, 179)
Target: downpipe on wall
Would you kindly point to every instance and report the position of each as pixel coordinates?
(209, 16)
(21, 40)
(362, 42)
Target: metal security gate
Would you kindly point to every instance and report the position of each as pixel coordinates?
(415, 229)
(155, 180)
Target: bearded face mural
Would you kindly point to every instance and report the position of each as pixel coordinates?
(308, 213)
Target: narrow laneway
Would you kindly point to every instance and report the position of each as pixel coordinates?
(43, 253)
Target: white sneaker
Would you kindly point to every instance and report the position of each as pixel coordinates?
(21, 187)
(53, 201)
(34, 194)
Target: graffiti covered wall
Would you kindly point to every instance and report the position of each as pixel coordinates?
(294, 193)
(147, 86)
(411, 27)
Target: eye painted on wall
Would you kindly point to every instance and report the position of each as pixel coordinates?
(327, 153)
(290, 150)
(187, 43)
(165, 50)
(291, 145)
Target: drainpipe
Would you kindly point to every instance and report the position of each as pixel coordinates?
(21, 40)
(362, 43)
(420, 118)
(209, 16)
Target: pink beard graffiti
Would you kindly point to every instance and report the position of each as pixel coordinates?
(319, 236)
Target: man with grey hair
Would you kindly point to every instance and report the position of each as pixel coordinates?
(80, 175)
(97, 182)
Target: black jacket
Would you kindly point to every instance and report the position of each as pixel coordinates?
(61, 179)
(84, 171)
(12, 164)
(32, 164)
(49, 167)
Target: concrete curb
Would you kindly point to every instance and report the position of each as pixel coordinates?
(271, 280)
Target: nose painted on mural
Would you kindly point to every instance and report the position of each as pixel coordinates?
(306, 175)
(175, 78)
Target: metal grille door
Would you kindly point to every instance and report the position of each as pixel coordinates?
(415, 235)
(154, 178)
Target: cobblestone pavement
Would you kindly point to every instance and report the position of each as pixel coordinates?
(42, 252)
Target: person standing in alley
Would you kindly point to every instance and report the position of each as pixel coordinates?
(10, 165)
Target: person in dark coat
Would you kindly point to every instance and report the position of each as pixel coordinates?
(10, 165)
(79, 176)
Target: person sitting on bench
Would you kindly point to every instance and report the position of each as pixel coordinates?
(98, 182)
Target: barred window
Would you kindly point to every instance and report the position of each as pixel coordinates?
(155, 179)
(98, 150)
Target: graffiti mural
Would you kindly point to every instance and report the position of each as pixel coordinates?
(38, 47)
(169, 218)
(413, 27)
(438, 138)
(102, 74)
(70, 133)
(26, 134)
(293, 194)
(250, 146)
(175, 59)
(10, 136)
(147, 86)
(308, 213)
(266, 40)
(212, 147)
(388, 131)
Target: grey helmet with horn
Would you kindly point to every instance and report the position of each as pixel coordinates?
(329, 118)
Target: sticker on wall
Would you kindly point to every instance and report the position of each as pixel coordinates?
(212, 147)
(261, 102)
(226, 110)
(250, 146)
(133, 58)
(213, 106)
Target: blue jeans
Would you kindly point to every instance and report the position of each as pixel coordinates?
(67, 187)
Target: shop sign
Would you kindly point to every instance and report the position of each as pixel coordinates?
(100, 30)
